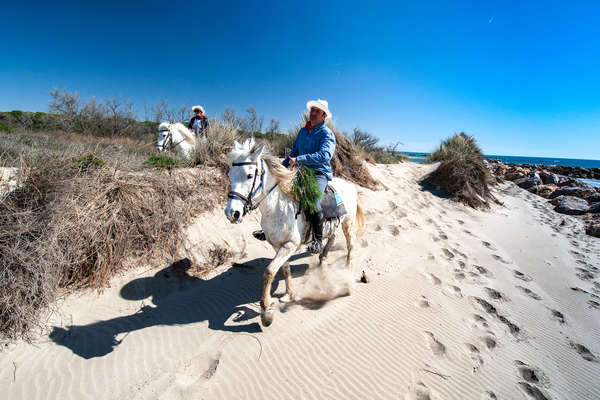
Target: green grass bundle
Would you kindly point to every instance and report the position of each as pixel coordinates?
(306, 189)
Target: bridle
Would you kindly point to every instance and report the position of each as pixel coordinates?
(249, 205)
(168, 142)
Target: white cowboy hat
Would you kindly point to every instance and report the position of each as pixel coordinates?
(198, 108)
(321, 105)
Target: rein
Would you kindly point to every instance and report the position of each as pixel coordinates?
(249, 205)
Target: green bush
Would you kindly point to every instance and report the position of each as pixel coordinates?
(161, 161)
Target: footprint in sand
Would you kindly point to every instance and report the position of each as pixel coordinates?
(459, 275)
(452, 291)
(584, 274)
(419, 391)
(557, 315)
(423, 302)
(435, 345)
(479, 322)
(495, 294)
(474, 353)
(394, 229)
(519, 275)
(531, 374)
(594, 304)
(490, 309)
(529, 292)
(533, 391)
(488, 245)
(584, 352)
(461, 254)
(434, 279)
(462, 264)
(489, 395)
(448, 253)
(483, 271)
(499, 258)
(489, 340)
(443, 236)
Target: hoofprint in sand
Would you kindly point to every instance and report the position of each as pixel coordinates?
(460, 304)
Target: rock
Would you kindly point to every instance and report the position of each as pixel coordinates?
(564, 181)
(581, 192)
(594, 208)
(556, 201)
(529, 182)
(593, 229)
(572, 206)
(595, 198)
(511, 176)
(545, 190)
(548, 178)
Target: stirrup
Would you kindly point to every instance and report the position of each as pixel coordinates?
(315, 247)
(260, 235)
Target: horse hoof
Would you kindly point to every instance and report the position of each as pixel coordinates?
(266, 317)
(286, 298)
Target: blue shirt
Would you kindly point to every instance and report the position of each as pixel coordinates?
(314, 149)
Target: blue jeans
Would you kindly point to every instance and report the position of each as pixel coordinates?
(322, 181)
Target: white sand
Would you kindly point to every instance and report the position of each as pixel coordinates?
(416, 331)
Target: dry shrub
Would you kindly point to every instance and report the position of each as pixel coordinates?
(348, 163)
(214, 148)
(464, 179)
(67, 227)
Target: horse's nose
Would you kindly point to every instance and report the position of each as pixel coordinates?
(236, 215)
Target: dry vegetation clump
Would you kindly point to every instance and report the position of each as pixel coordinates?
(348, 163)
(462, 174)
(455, 146)
(213, 150)
(73, 223)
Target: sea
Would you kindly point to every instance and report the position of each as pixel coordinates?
(569, 162)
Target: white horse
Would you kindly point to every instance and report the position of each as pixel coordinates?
(260, 181)
(176, 137)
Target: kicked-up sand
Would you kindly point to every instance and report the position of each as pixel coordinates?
(459, 304)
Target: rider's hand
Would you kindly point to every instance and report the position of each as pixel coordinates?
(293, 161)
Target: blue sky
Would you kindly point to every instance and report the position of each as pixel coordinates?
(523, 78)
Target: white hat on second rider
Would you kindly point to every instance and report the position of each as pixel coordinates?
(198, 108)
(321, 105)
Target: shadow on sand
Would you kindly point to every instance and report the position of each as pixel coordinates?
(178, 298)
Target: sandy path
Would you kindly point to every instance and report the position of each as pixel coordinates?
(461, 304)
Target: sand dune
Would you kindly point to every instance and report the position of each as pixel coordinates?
(460, 304)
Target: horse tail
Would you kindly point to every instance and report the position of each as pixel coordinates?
(360, 217)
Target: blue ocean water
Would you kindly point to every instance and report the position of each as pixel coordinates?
(568, 162)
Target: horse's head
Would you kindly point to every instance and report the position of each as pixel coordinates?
(164, 139)
(247, 179)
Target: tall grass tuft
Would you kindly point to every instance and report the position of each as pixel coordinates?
(455, 146)
(462, 173)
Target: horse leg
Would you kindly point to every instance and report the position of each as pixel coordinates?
(287, 274)
(266, 306)
(326, 249)
(348, 228)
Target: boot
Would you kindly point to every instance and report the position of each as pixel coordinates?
(260, 235)
(316, 221)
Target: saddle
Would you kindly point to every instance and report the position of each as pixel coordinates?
(332, 204)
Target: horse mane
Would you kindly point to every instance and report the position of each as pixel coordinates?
(283, 176)
(188, 135)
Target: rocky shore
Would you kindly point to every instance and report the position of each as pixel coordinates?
(558, 184)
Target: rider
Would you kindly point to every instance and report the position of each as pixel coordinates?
(313, 148)
(198, 123)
